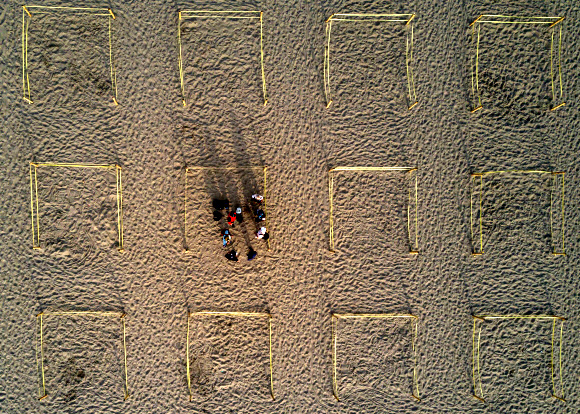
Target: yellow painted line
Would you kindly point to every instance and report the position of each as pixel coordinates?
(476, 20)
(218, 313)
(222, 17)
(236, 314)
(334, 350)
(42, 359)
(262, 60)
(26, 59)
(373, 15)
(334, 319)
(32, 205)
(82, 313)
(331, 219)
(552, 357)
(552, 65)
(555, 23)
(327, 76)
(47, 164)
(481, 214)
(187, 362)
(473, 355)
(185, 212)
(521, 17)
(120, 209)
(372, 169)
(125, 354)
(265, 205)
(69, 8)
(514, 172)
(477, 68)
(221, 11)
(367, 20)
(372, 315)
(560, 359)
(519, 317)
(522, 22)
(478, 359)
(560, 62)
(224, 168)
(271, 359)
(416, 380)
(37, 214)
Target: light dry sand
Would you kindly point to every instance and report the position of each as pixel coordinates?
(298, 281)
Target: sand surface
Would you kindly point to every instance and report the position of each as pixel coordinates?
(298, 281)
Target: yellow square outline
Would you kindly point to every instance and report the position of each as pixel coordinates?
(232, 314)
(27, 16)
(39, 319)
(34, 197)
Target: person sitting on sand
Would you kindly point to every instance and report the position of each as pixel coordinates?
(262, 233)
(260, 215)
(233, 256)
(226, 238)
(257, 198)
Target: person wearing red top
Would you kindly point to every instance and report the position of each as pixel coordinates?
(231, 218)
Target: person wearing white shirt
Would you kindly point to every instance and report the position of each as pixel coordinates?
(261, 233)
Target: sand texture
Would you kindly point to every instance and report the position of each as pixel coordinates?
(170, 267)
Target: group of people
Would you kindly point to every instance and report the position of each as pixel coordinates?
(235, 215)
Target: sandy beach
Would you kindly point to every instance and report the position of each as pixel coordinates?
(176, 159)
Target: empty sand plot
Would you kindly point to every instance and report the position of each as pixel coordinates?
(223, 15)
(350, 18)
(59, 190)
(551, 26)
(375, 350)
(229, 351)
(51, 35)
(85, 348)
(532, 204)
(373, 210)
(506, 355)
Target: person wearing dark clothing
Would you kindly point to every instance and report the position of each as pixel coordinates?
(252, 254)
(260, 215)
(233, 256)
(239, 214)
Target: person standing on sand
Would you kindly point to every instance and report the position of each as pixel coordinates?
(239, 216)
(226, 238)
(231, 218)
(252, 254)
